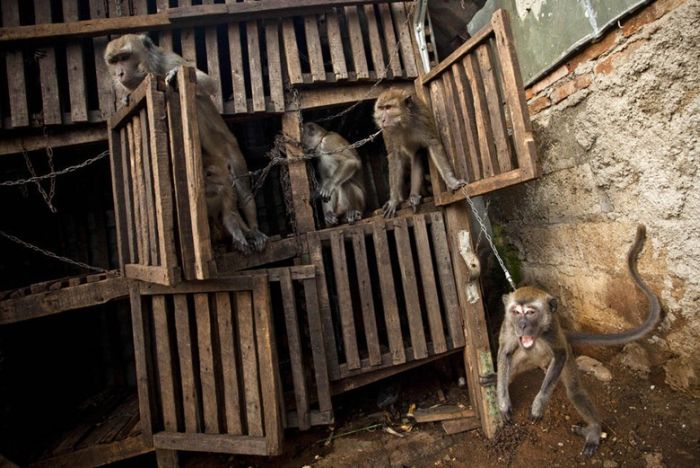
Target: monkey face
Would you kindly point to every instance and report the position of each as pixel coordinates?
(125, 57)
(391, 109)
(312, 134)
(529, 311)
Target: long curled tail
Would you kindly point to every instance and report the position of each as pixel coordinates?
(614, 339)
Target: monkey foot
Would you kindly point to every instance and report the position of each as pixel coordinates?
(456, 184)
(592, 439)
(414, 201)
(257, 240)
(507, 416)
(353, 216)
(242, 246)
(389, 208)
(331, 219)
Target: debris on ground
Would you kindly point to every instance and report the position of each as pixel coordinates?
(593, 366)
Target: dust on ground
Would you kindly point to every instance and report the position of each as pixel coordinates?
(647, 424)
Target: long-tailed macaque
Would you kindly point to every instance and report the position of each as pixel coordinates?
(342, 189)
(408, 126)
(531, 336)
(130, 58)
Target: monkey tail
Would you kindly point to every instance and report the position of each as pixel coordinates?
(649, 323)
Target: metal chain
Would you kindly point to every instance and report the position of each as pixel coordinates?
(49, 253)
(509, 278)
(48, 197)
(481, 232)
(12, 183)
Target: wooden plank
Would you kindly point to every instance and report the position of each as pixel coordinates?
(403, 28)
(166, 382)
(14, 61)
(457, 426)
(493, 101)
(316, 256)
(342, 284)
(269, 384)
(443, 126)
(150, 274)
(205, 346)
(135, 192)
(139, 7)
(255, 66)
(335, 44)
(217, 443)
(129, 201)
(410, 289)
(514, 95)
(183, 331)
(447, 280)
(165, 38)
(150, 192)
(313, 48)
(316, 333)
(235, 283)
(139, 324)
(249, 358)
(116, 156)
(167, 458)
(240, 103)
(228, 363)
(388, 290)
(466, 104)
(487, 151)
(441, 413)
(105, 87)
(98, 455)
(432, 302)
(187, 38)
(298, 176)
(295, 351)
(364, 283)
(143, 227)
(291, 52)
(274, 66)
(459, 132)
(213, 67)
(356, 42)
(375, 42)
(50, 104)
(392, 43)
(68, 137)
(76, 68)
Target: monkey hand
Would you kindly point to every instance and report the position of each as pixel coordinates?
(170, 78)
(353, 216)
(414, 201)
(256, 239)
(537, 409)
(455, 184)
(507, 415)
(330, 218)
(326, 192)
(389, 208)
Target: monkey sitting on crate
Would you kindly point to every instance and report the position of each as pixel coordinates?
(339, 165)
(408, 126)
(130, 58)
(531, 336)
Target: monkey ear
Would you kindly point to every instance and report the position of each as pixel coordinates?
(408, 99)
(147, 42)
(506, 299)
(553, 303)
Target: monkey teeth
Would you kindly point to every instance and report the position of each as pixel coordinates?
(527, 341)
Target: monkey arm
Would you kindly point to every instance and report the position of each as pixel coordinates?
(347, 167)
(505, 356)
(437, 153)
(396, 174)
(550, 380)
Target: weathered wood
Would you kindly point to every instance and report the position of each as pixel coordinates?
(236, 283)
(139, 324)
(356, 42)
(342, 284)
(151, 274)
(68, 137)
(375, 42)
(119, 195)
(105, 89)
(228, 363)
(187, 38)
(403, 28)
(255, 66)
(166, 382)
(335, 44)
(427, 274)
(298, 177)
(149, 195)
(165, 38)
(190, 392)
(274, 65)
(441, 413)
(456, 426)
(141, 225)
(76, 69)
(487, 151)
(313, 47)
(205, 347)
(249, 358)
(218, 443)
(51, 106)
(240, 103)
(443, 126)
(392, 43)
(167, 458)
(457, 123)
(316, 334)
(213, 69)
(98, 455)
(14, 62)
(291, 51)
(388, 290)
(468, 124)
(364, 283)
(128, 200)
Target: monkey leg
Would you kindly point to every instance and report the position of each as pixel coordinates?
(443, 165)
(550, 381)
(583, 404)
(397, 167)
(246, 200)
(330, 209)
(417, 171)
(235, 227)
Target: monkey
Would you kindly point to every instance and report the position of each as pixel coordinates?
(342, 189)
(531, 336)
(407, 126)
(130, 58)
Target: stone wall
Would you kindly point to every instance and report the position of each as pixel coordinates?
(618, 133)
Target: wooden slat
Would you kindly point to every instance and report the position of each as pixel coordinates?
(149, 274)
(187, 38)
(393, 45)
(255, 67)
(388, 290)
(116, 156)
(165, 38)
(410, 290)
(269, 384)
(228, 363)
(128, 200)
(298, 175)
(335, 44)
(514, 95)
(149, 193)
(443, 125)
(364, 283)
(427, 274)
(105, 87)
(313, 47)
(139, 325)
(487, 151)
(403, 28)
(76, 69)
(342, 284)
(50, 104)
(137, 190)
(291, 52)
(213, 70)
(240, 104)
(457, 123)
(466, 103)
(14, 61)
(356, 42)
(447, 280)
(295, 351)
(316, 333)
(251, 387)
(375, 42)
(166, 383)
(274, 66)
(218, 443)
(140, 7)
(207, 375)
(493, 101)
(185, 354)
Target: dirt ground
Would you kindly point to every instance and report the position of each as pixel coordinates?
(647, 424)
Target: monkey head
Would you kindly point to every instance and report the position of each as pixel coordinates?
(128, 58)
(393, 109)
(529, 311)
(311, 135)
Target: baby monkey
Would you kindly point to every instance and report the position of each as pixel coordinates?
(342, 190)
(531, 336)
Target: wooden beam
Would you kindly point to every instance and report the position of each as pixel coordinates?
(77, 136)
(335, 95)
(98, 455)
